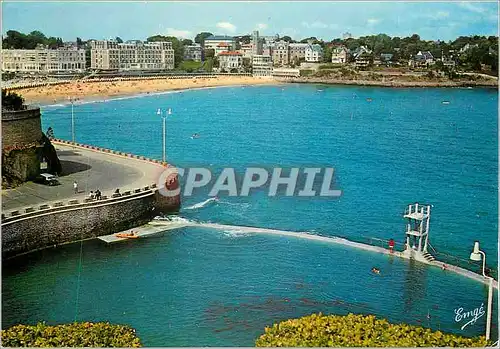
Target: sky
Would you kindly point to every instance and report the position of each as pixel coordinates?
(324, 20)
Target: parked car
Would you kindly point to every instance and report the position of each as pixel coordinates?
(46, 179)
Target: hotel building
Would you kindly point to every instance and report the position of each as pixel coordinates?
(43, 60)
(133, 54)
(262, 65)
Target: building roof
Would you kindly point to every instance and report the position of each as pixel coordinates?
(361, 50)
(424, 55)
(231, 53)
(316, 48)
(339, 48)
(219, 37)
(223, 45)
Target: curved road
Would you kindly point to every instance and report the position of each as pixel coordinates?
(92, 170)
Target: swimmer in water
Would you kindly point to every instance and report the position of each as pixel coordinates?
(375, 270)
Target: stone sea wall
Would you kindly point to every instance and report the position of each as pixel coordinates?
(21, 128)
(22, 145)
(74, 222)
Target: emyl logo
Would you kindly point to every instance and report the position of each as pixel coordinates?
(473, 315)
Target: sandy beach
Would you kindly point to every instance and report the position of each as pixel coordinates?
(92, 90)
(82, 90)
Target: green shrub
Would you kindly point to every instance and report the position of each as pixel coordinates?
(306, 72)
(319, 330)
(324, 72)
(330, 66)
(83, 334)
(12, 101)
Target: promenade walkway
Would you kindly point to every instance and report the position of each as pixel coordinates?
(92, 169)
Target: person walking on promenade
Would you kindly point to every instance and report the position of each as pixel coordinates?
(91, 195)
(98, 194)
(75, 187)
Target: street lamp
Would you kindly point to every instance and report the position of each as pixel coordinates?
(164, 117)
(72, 100)
(477, 255)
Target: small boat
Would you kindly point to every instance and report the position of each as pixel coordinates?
(126, 235)
(368, 99)
(320, 90)
(445, 102)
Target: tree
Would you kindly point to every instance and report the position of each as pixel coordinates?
(200, 38)
(79, 43)
(327, 54)
(287, 38)
(415, 38)
(12, 101)
(187, 42)
(439, 66)
(14, 40)
(247, 65)
(209, 53)
(311, 39)
(119, 40)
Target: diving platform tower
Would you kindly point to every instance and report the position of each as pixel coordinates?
(417, 232)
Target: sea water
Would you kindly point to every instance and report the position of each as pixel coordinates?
(196, 287)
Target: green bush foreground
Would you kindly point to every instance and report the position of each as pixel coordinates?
(319, 330)
(82, 334)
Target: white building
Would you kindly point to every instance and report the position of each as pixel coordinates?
(230, 60)
(281, 53)
(286, 72)
(298, 52)
(133, 54)
(246, 50)
(192, 53)
(262, 65)
(43, 60)
(212, 42)
(339, 54)
(314, 53)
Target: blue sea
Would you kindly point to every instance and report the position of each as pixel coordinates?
(199, 287)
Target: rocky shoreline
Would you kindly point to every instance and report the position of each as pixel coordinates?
(493, 83)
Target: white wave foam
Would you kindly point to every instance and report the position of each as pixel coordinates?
(239, 204)
(201, 204)
(173, 220)
(234, 233)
